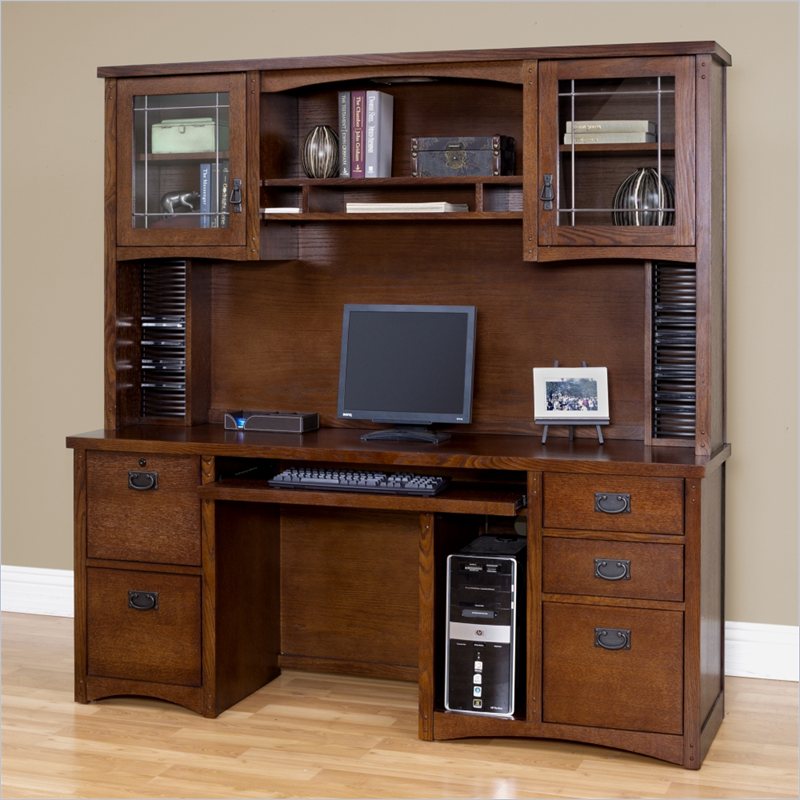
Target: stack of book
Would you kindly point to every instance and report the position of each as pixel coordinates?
(407, 208)
(214, 195)
(610, 131)
(365, 134)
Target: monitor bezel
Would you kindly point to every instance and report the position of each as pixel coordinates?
(410, 417)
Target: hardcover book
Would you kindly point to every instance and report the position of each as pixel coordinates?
(618, 137)
(344, 134)
(357, 133)
(380, 116)
(610, 126)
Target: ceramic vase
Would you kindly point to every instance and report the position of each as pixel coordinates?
(320, 156)
(644, 198)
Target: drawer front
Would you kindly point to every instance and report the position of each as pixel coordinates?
(144, 626)
(613, 503)
(143, 508)
(641, 570)
(609, 667)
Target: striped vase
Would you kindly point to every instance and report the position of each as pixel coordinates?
(320, 156)
(644, 198)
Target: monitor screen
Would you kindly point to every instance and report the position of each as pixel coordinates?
(407, 364)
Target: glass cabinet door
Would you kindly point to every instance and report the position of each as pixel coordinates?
(616, 152)
(181, 167)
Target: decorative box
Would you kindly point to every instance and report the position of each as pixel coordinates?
(446, 156)
(187, 136)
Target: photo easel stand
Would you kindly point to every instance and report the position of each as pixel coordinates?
(573, 425)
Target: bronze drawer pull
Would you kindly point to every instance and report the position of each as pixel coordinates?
(142, 481)
(612, 569)
(612, 638)
(143, 601)
(612, 503)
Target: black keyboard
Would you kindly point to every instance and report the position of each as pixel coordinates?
(347, 480)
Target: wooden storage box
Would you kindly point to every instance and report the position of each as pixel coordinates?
(449, 156)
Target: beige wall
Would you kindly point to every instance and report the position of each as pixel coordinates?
(52, 224)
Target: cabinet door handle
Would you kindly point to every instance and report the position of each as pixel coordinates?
(611, 503)
(143, 601)
(612, 569)
(142, 481)
(612, 638)
(235, 198)
(547, 194)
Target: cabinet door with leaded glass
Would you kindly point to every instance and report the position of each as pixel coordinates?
(181, 160)
(617, 152)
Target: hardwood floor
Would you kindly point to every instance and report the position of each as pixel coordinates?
(308, 735)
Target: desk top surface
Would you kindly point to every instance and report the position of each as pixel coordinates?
(470, 451)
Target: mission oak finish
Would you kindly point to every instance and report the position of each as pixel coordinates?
(196, 582)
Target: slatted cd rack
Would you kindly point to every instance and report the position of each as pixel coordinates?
(163, 344)
(674, 356)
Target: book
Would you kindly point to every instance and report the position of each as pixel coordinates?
(408, 208)
(279, 210)
(344, 134)
(380, 119)
(357, 133)
(205, 195)
(618, 137)
(219, 195)
(610, 126)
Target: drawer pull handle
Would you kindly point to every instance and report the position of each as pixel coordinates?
(142, 481)
(612, 503)
(612, 569)
(143, 601)
(612, 638)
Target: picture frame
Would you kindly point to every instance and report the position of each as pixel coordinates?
(570, 396)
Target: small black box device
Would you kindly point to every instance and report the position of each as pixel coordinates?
(271, 421)
(485, 651)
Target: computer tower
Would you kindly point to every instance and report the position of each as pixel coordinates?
(485, 648)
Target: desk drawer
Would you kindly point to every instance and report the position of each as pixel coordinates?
(609, 667)
(143, 507)
(641, 570)
(613, 503)
(144, 626)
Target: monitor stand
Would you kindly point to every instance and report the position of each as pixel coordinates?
(406, 433)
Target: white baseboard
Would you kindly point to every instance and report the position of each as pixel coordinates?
(762, 651)
(28, 590)
(752, 650)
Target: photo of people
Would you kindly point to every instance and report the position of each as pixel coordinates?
(572, 394)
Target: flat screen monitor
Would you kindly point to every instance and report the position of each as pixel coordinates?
(410, 366)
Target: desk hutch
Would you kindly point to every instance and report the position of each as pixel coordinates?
(195, 582)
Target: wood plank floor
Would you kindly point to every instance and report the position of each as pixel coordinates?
(308, 735)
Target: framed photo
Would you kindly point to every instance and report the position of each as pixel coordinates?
(570, 395)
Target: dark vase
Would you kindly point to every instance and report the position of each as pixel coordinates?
(320, 156)
(644, 198)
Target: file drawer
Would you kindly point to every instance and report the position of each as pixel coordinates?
(144, 626)
(641, 570)
(610, 667)
(143, 507)
(613, 503)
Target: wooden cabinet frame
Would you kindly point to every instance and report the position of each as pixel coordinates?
(263, 305)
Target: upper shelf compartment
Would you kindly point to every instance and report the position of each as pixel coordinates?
(444, 101)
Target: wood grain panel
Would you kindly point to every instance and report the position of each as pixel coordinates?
(640, 688)
(656, 570)
(349, 585)
(161, 645)
(277, 327)
(160, 525)
(656, 504)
